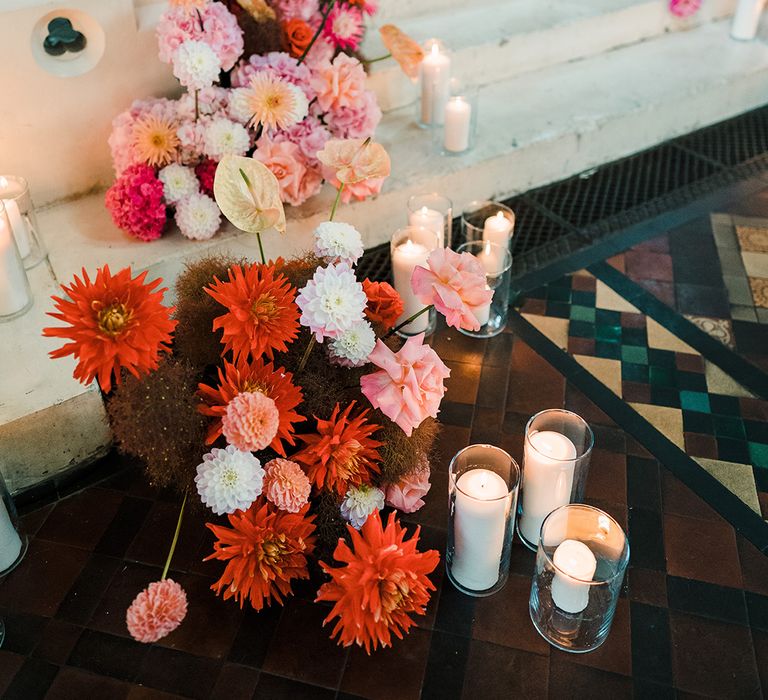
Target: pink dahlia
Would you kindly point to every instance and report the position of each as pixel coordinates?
(455, 284)
(277, 63)
(356, 122)
(410, 385)
(344, 27)
(156, 611)
(251, 421)
(136, 203)
(684, 8)
(297, 181)
(340, 84)
(286, 485)
(408, 494)
(220, 31)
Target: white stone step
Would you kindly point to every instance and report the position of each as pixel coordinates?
(574, 116)
(494, 41)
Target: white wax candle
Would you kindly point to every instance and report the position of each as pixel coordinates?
(482, 313)
(431, 219)
(19, 227)
(14, 294)
(548, 466)
(576, 564)
(458, 118)
(406, 257)
(10, 542)
(435, 85)
(479, 521)
(492, 262)
(497, 229)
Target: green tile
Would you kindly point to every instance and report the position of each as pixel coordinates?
(695, 401)
(758, 453)
(582, 313)
(607, 317)
(581, 329)
(609, 351)
(661, 358)
(583, 298)
(729, 427)
(558, 294)
(609, 333)
(662, 375)
(634, 354)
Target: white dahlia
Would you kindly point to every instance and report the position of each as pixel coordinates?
(196, 64)
(198, 217)
(229, 479)
(179, 182)
(238, 106)
(352, 347)
(359, 503)
(225, 138)
(338, 242)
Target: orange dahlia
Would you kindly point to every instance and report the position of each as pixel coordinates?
(342, 453)
(383, 583)
(262, 315)
(265, 549)
(114, 322)
(249, 376)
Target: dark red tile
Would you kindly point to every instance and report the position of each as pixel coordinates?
(754, 567)
(760, 640)
(450, 440)
(630, 319)
(80, 520)
(698, 445)
(658, 244)
(71, 683)
(461, 386)
(235, 682)
(663, 291)
(577, 402)
(9, 666)
(30, 523)
(584, 283)
(176, 672)
(634, 392)
(678, 499)
(453, 346)
(692, 549)
(538, 307)
(58, 640)
(754, 409)
(568, 679)
(686, 362)
(581, 346)
(646, 264)
(500, 672)
(762, 497)
(647, 586)
(275, 688)
(607, 478)
(109, 615)
(618, 261)
(533, 383)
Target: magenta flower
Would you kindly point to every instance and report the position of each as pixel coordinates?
(136, 202)
(684, 8)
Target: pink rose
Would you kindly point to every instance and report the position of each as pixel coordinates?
(407, 494)
(455, 284)
(339, 84)
(297, 181)
(409, 386)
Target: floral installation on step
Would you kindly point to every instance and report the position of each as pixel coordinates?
(277, 399)
(271, 79)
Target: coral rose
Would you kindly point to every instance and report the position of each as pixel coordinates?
(384, 303)
(407, 495)
(297, 182)
(455, 284)
(298, 34)
(409, 386)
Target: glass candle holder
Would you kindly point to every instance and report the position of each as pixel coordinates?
(497, 262)
(485, 220)
(411, 246)
(580, 563)
(14, 191)
(482, 493)
(558, 446)
(15, 293)
(458, 132)
(432, 210)
(13, 542)
(435, 83)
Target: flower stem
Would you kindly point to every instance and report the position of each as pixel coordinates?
(261, 248)
(305, 356)
(375, 60)
(408, 320)
(336, 202)
(175, 538)
(319, 29)
(197, 105)
(200, 19)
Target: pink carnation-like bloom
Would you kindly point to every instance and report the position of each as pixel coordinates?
(297, 181)
(286, 485)
(279, 64)
(410, 385)
(309, 135)
(455, 284)
(136, 203)
(340, 84)
(407, 495)
(220, 31)
(305, 10)
(251, 421)
(344, 27)
(358, 122)
(206, 172)
(684, 8)
(156, 611)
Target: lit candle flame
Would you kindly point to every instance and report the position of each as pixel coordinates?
(435, 49)
(499, 214)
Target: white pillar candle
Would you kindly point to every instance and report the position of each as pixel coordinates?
(480, 518)
(431, 219)
(458, 120)
(14, 293)
(10, 542)
(482, 313)
(548, 467)
(575, 564)
(497, 229)
(492, 262)
(746, 19)
(18, 224)
(404, 259)
(435, 85)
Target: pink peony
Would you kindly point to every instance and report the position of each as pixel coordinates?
(407, 494)
(251, 421)
(356, 122)
(455, 284)
(220, 31)
(286, 485)
(297, 181)
(309, 135)
(136, 203)
(340, 84)
(409, 386)
(344, 27)
(158, 610)
(684, 8)
(279, 64)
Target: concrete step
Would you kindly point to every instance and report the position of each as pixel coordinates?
(574, 116)
(494, 41)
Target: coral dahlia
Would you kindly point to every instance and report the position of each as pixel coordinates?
(251, 421)
(261, 314)
(156, 611)
(265, 550)
(384, 582)
(342, 453)
(115, 322)
(253, 375)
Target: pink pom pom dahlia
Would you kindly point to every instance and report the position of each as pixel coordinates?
(156, 611)
(136, 203)
(286, 485)
(251, 421)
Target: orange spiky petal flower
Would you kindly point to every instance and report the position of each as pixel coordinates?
(342, 453)
(253, 375)
(115, 322)
(383, 583)
(265, 549)
(262, 316)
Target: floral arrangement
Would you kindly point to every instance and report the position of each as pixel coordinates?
(281, 104)
(277, 395)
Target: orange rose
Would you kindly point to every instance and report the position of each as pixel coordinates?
(299, 35)
(384, 303)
